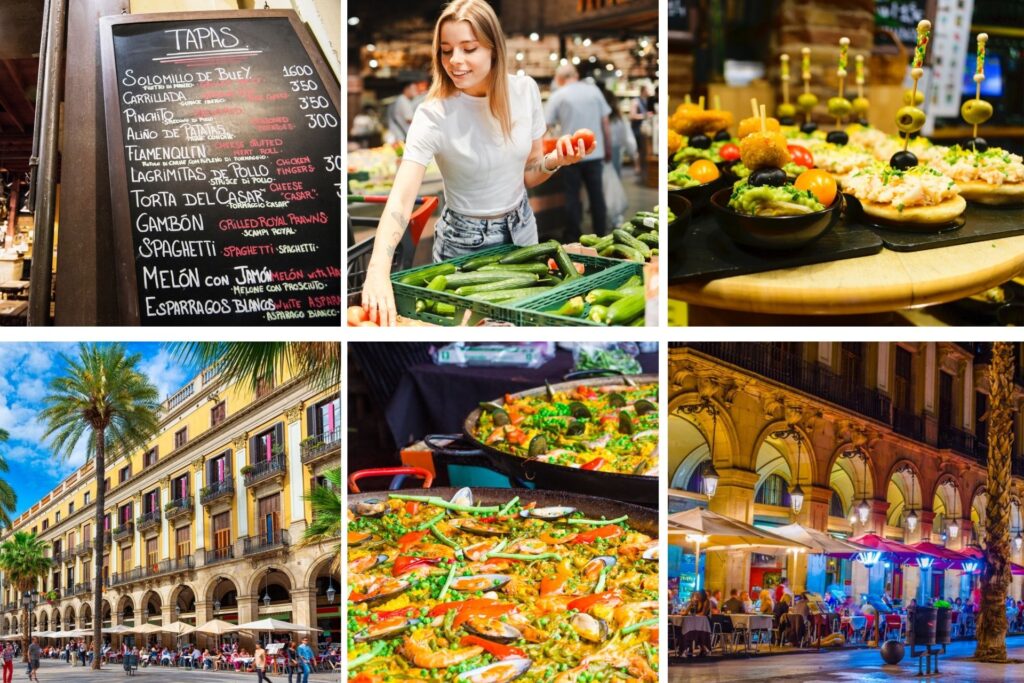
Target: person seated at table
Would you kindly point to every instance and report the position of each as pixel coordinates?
(778, 615)
(699, 605)
(748, 604)
(165, 657)
(716, 602)
(765, 603)
(215, 660)
(912, 604)
(733, 605)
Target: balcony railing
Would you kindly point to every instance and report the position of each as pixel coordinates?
(57, 557)
(254, 545)
(84, 548)
(908, 424)
(148, 520)
(321, 445)
(215, 555)
(264, 470)
(774, 363)
(161, 568)
(217, 491)
(124, 531)
(106, 537)
(80, 588)
(957, 440)
(179, 507)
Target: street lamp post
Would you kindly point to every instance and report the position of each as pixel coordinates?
(709, 475)
(863, 509)
(796, 494)
(29, 600)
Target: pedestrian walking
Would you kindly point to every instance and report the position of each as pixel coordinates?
(288, 654)
(259, 663)
(8, 659)
(34, 653)
(305, 657)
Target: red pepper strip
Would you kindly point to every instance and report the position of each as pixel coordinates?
(594, 464)
(406, 612)
(410, 539)
(557, 582)
(497, 649)
(514, 435)
(404, 565)
(353, 596)
(585, 392)
(586, 602)
(607, 531)
(412, 507)
(494, 611)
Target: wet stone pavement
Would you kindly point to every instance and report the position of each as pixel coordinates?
(862, 666)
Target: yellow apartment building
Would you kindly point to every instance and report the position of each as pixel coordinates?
(203, 523)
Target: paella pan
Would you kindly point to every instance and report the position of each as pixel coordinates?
(596, 435)
(492, 585)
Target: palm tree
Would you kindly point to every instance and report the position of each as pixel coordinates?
(992, 624)
(8, 498)
(325, 529)
(256, 362)
(103, 398)
(23, 560)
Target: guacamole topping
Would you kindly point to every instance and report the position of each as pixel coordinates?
(681, 179)
(691, 154)
(792, 170)
(766, 200)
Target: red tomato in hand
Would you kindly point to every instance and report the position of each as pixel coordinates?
(586, 135)
(548, 144)
(356, 315)
(821, 184)
(800, 156)
(729, 152)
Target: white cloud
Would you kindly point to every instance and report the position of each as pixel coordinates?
(164, 371)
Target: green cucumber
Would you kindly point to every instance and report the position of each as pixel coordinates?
(539, 268)
(597, 313)
(533, 252)
(626, 309)
(517, 282)
(603, 297)
(480, 277)
(478, 262)
(649, 238)
(625, 238)
(565, 264)
(509, 294)
(627, 252)
(423, 276)
(604, 242)
(444, 309)
(633, 281)
(589, 239)
(573, 308)
(438, 284)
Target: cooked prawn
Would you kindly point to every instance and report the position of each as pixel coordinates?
(422, 656)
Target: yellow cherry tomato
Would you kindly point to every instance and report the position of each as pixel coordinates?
(703, 171)
(821, 184)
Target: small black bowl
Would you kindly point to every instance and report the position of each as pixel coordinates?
(683, 210)
(773, 232)
(698, 195)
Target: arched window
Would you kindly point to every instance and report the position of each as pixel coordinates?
(696, 482)
(773, 491)
(835, 506)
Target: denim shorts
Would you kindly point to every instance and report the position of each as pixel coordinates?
(458, 235)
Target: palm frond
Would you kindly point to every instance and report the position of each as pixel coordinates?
(253, 363)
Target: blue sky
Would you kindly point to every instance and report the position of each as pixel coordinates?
(25, 373)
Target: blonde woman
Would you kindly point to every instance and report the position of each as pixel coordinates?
(767, 606)
(483, 127)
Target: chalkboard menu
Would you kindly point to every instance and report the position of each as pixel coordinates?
(902, 17)
(224, 146)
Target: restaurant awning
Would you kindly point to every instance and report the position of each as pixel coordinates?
(898, 552)
(820, 542)
(945, 557)
(719, 532)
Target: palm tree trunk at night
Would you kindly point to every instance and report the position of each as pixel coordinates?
(97, 552)
(992, 625)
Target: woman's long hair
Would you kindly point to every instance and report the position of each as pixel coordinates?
(484, 22)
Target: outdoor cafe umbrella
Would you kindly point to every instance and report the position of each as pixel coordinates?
(148, 628)
(272, 625)
(900, 553)
(120, 628)
(216, 627)
(819, 542)
(946, 558)
(178, 628)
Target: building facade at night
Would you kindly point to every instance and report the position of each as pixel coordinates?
(203, 523)
(887, 438)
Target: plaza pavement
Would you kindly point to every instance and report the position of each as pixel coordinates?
(860, 666)
(55, 670)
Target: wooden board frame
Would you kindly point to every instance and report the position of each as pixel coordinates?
(124, 249)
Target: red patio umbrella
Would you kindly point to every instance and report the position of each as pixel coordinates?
(898, 552)
(945, 557)
(971, 554)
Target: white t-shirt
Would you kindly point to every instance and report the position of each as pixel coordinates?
(482, 170)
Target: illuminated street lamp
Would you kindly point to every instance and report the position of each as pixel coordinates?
(709, 475)
(710, 479)
(796, 494)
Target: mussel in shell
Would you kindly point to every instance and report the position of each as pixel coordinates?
(356, 538)
(651, 554)
(479, 582)
(463, 496)
(549, 513)
(366, 562)
(575, 428)
(371, 507)
(579, 411)
(598, 564)
(385, 628)
(499, 418)
(529, 546)
(538, 446)
(643, 406)
(625, 423)
(616, 400)
(590, 629)
(474, 526)
(381, 589)
(499, 672)
(493, 629)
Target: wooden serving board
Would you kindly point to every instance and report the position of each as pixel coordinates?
(980, 223)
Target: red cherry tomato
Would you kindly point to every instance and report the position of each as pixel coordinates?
(821, 184)
(584, 134)
(729, 152)
(548, 144)
(800, 156)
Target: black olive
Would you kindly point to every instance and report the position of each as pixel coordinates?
(979, 144)
(837, 137)
(699, 141)
(786, 121)
(775, 177)
(914, 135)
(903, 160)
(722, 135)
(864, 122)
(809, 127)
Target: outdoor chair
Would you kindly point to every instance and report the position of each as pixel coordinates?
(893, 623)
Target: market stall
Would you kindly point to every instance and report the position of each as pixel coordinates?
(857, 167)
(588, 221)
(435, 553)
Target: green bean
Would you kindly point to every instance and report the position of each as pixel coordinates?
(447, 582)
(431, 522)
(364, 658)
(442, 503)
(623, 518)
(444, 539)
(601, 579)
(528, 558)
(508, 506)
(646, 623)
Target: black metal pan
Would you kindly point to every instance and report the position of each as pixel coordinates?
(541, 475)
(642, 519)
